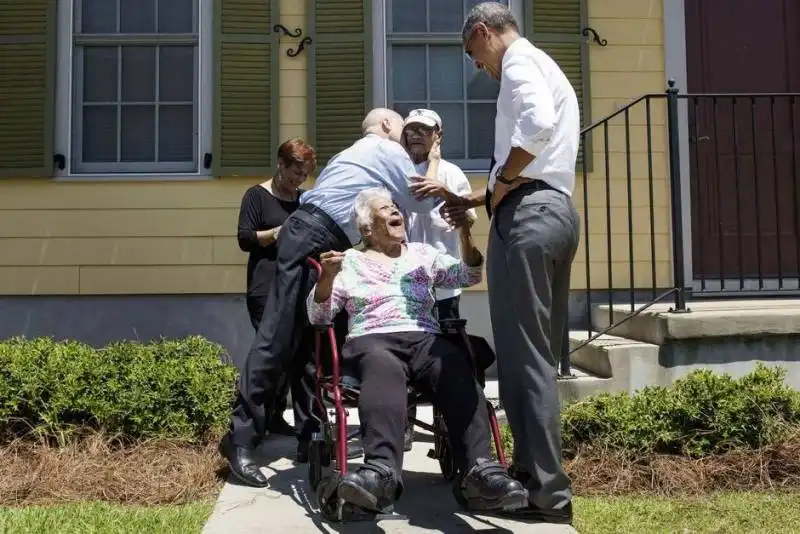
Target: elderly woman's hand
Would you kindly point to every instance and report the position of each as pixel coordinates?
(331, 263)
(457, 215)
(435, 153)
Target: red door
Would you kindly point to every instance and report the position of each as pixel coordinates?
(744, 152)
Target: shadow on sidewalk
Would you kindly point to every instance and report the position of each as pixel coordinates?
(427, 502)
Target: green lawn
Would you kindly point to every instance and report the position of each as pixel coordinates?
(733, 513)
(101, 518)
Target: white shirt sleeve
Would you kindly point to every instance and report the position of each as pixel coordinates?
(532, 103)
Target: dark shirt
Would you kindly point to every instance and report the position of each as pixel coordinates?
(261, 210)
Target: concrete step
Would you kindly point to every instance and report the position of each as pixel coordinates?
(705, 319)
(624, 364)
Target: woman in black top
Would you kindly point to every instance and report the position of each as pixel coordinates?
(264, 209)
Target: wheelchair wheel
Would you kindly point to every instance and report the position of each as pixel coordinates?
(447, 462)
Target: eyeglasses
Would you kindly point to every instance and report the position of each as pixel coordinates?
(420, 129)
(468, 43)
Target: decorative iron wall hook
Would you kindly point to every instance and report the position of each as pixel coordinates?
(300, 47)
(283, 29)
(595, 37)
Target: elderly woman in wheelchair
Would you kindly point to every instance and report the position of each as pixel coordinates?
(394, 341)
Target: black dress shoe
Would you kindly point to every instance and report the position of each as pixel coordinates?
(281, 427)
(561, 516)
(242, 464)
(488, 486)
(372, 488)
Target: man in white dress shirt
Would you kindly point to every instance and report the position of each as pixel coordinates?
(532, 242)
(419, 131)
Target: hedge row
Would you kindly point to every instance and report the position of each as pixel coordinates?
(170, 388)
(183, 389)
(702, 414)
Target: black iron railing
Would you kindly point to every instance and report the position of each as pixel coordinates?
(743, 153)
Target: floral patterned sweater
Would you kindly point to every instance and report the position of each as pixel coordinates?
(392, 297)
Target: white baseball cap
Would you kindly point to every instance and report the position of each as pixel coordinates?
(428, 117)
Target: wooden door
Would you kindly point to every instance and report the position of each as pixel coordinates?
(744, 152)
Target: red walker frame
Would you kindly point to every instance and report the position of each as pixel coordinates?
(326, 447)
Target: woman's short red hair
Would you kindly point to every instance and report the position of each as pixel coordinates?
(296, 151)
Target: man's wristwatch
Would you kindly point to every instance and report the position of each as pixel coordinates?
(500, 176)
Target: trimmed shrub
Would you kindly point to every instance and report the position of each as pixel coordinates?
(699, 415)
(169, 388)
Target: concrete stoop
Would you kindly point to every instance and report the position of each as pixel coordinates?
(706, 319)
(610, 364)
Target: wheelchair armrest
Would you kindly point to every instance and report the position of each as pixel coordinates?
(452, 326)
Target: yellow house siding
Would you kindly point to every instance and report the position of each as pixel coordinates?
(120, 238)
(631, 65)
(293, 81)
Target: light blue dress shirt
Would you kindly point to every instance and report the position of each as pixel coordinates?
(372, 161)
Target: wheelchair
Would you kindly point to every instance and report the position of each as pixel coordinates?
(336, 393)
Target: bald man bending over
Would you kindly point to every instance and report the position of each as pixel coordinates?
(324, 221)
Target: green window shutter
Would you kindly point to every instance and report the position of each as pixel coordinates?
(27, 87)
(339, 73)
(246, 87)
(555, 26)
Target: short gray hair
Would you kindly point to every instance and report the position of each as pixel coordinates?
(363, 206)
(494, 15)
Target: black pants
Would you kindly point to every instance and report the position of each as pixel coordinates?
(276, 350)
(386, 364)
(255, 309)
(448, 308)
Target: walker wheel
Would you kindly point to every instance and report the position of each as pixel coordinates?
(316, 459)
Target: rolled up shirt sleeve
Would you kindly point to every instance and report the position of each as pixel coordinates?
(532, 104)
(401, 170)
(322, 313)
(452, 273)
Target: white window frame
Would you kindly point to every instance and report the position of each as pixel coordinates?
(63, 141)
(380, 73)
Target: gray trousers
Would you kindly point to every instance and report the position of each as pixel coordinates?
(532, 242)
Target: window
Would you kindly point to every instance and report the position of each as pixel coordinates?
(425, 66)
(135, 102)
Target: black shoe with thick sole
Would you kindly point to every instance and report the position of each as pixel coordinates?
(487, 486)
(534, 513)
(561, 516)
(372, 488)
(242, 463)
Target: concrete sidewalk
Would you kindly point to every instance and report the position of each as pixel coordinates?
(289, 504)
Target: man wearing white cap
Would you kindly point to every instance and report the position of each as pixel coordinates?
(419, 130)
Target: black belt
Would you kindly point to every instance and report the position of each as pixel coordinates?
(325, 220)
(527, 187)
